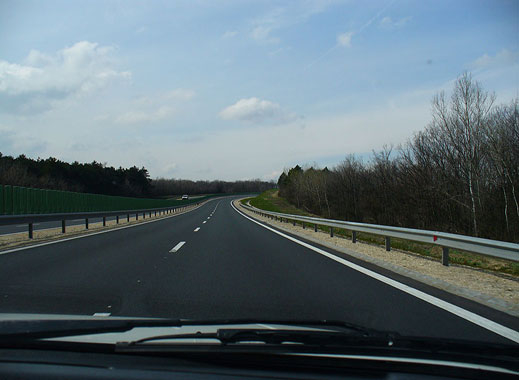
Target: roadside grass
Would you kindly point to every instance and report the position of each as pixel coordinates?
(270, 201)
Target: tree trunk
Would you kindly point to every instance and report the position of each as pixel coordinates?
(473, 205)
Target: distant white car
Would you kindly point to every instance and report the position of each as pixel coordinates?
(185, 196)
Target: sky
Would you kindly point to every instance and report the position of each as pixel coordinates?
(238, 89)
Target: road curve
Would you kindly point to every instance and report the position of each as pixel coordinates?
(213, 262)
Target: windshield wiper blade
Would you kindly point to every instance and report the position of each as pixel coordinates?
(265, 336)
(329, 324)
(54, 328)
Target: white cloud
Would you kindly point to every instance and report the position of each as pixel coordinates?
(151, 109)
(262, 28)
(180, 94)
(132, 117)
(230, 34)
(272, 176)
(503, 58)
(344, 39)
(141, 30)
(256, 111)
(169, 169)
(261, 32)
(388, 23)
(42, 80)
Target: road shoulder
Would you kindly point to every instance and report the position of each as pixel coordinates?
(494, 291)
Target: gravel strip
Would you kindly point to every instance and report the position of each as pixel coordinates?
(495, 291)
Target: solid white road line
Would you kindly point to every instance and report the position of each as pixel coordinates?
(456, 310)
(177, 247)
(101, 314)
(197, 229)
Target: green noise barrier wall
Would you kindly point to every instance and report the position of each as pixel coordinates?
(16, 200)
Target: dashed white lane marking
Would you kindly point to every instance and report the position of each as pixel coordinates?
(177, 247)
(197, 229)
(100, 232)
(208, 217)
(453, 309)
(204, 222)
(101, 314)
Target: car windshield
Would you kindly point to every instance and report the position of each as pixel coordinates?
(265, 161)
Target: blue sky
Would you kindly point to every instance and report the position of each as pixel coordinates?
(238, 89)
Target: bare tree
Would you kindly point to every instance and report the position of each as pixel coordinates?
(460, 125)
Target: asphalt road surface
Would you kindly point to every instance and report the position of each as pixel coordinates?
(223, 265)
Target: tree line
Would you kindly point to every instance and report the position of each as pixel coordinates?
(460, 174)
(98, 178)
(94, 177)
(166, 187)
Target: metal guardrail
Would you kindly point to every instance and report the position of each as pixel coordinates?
(30, 219)
(487, 247)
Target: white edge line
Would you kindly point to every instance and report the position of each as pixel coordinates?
(456, 310)
(96, 233)
(101, 314)
(177, 247)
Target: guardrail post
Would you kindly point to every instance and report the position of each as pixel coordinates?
(128, 217)
(303, 223)
(30, 230)
(315, 227)
(63, 226)
(104, 221)
(294, 222)
(353, 236)
(331, 231)
(136, 216)
(117, 219)
(388, 243)
(445, 256)
(86, 223)
(155, 213)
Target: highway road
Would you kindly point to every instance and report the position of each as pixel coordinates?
(214, 262)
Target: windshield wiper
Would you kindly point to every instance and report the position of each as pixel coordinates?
(267, 336)
(54, 328)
